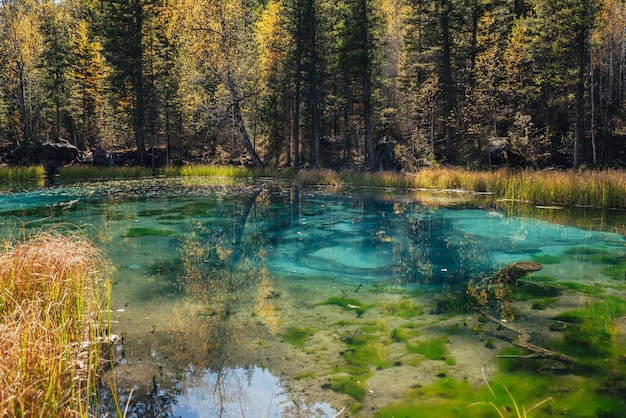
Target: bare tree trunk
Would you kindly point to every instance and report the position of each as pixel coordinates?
(234, 95)
(239, 118)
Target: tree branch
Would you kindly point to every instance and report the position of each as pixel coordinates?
(523, 341)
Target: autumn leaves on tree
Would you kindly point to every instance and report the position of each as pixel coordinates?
(319, 83)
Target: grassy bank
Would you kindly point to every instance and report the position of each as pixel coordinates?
(53, 309)
(21, 173)
(598, 189)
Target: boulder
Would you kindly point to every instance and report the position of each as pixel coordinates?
(54, 154)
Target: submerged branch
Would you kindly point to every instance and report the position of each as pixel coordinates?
(523, 341)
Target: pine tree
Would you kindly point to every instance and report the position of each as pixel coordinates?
(56, 60)
(123, 25)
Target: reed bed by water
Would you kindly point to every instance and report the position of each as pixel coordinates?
(601, 189)
(21, 173)
(591, 188)
(53, 317)
(597, 189)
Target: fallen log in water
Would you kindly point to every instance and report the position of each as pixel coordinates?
(523, 341)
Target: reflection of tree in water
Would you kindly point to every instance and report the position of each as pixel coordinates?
(426, 244)
(227, 291)
(219, 272)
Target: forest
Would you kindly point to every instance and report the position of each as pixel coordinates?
(372, 84)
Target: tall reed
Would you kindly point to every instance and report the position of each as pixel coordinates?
(21, 173)
(53, 317)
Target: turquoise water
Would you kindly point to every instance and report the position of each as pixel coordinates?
(207, 279)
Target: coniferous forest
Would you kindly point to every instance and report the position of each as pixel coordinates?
(394, 84)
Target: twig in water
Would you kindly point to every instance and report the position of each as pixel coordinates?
(340, 412)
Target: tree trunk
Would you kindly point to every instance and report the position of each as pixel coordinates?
(298, 84)
(447, 77)
(315, 114)
(367, 90)
(138, 87)
(579, 133)
(239, 118)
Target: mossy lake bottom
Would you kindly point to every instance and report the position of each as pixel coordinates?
(271, 299)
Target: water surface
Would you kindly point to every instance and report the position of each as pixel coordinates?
(210, 280)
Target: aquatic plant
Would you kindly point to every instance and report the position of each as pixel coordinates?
(544, 304)
(432, 349)
(352, 385)
(53, 326)
(503, 410)
(297, 335)
(146, 232)
(592, 331)
(403, 309)
(348, 304)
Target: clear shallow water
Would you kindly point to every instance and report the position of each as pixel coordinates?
(208, 278)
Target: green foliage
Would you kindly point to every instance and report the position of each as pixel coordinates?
(297, 335)
(146, 232)
(545, 259)
(592, 332)
(616, 272)
(444, 398)
(21, 173)
(530, 290)
(353, 386)
(404, 333)
(403, 309)
(583, 288)
(544, 303)
(81, 172)
(367, 349)
(432, 349)
(181, 74)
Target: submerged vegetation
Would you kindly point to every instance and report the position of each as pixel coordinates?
(374, 334)
(53, 326)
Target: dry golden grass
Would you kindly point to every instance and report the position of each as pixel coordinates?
(21, 173)
(52, 311)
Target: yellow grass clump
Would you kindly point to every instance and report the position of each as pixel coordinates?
(21, 173)
(53, 324)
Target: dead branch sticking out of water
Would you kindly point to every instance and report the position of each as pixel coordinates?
(523, 341)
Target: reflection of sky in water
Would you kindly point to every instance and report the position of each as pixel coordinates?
(239, 392)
